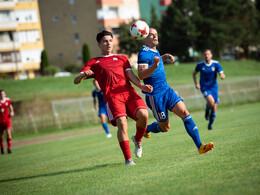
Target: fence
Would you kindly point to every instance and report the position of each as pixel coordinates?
(79, 111)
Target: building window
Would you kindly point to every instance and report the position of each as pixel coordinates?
(79, 55)
(73, 19)
(55, 18)
(76, 37)
(72, 2)
(60, 55)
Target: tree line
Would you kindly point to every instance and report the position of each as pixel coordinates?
(196, 25)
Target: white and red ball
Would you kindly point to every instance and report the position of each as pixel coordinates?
(139, 29)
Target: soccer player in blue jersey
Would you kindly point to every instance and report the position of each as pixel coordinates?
(163, 98)
(102, 111)
(208, 84)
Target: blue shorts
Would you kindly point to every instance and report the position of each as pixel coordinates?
(213, 93)
(161, 103)
(102, 110)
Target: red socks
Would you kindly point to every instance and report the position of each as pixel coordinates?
(139, 133)
(125, 149)
(9, 143)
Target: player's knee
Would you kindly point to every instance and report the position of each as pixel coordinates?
(142, 114)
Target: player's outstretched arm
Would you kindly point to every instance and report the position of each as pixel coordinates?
(197, 85)
(134, 79)
(143, 70)
(167, 56)
(81, 76)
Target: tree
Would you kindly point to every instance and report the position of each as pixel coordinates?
(178, 29)
(127, 43)
(226, 23)
(85, 53)
(155, 22)
(44, 62)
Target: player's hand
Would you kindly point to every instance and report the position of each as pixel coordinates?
(11, 114)
(147, 88)
(197, 85)
(156, 61)
(222, 75)
(95, 107)
(89, 73)
(171, 57)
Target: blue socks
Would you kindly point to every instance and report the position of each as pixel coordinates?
(207, 107)
(190, 127)
(105, 128)
(192, 130)
(212, 117)
(154, 128)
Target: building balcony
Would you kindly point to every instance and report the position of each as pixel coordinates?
(7, 5)
(109, 2)
(8, 26)
(9, 46)
(11, 67)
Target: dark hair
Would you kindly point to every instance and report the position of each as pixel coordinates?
(1, 90)
(103, 33)
(207, 50)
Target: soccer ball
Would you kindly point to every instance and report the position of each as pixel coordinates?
(139, 29)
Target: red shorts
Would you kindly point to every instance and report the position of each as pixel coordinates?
(6, 124)
(125, 104)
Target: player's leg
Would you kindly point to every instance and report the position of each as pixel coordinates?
(2, 140)
(212, 116)
(141, 124)
(157, 105)
(122, 136)
(180, 110)
(116, 111)
(137, 110)
(191, 128)
(213, 99)
(210, 103)
(103, 118)
(9, 140)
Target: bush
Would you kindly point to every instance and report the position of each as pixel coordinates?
(51, 70)
(73, 68)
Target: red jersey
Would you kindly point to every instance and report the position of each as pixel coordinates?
(4, 109)
(110, 72)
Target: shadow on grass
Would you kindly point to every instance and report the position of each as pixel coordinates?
(61, 172)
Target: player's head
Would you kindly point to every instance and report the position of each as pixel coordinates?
(152, 39)
(105, 42)
(207, 54)
(96, 84)
(2, 94)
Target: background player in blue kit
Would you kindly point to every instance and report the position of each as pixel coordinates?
(163, 98)
(208, 84)
(102, 111)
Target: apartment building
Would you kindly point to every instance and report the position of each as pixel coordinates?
(21, 41)
(68, 24)
(111, 13)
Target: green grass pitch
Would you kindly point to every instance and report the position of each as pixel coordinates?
(93, 164)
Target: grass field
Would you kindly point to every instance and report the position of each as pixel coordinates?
(92, 164)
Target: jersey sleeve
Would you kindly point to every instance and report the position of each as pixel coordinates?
(197, 68)
(127, 65)
(143, 59)
(219, 68)
(88, 65)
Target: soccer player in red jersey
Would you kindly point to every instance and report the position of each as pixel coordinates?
(113, 73)
(6, 111)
